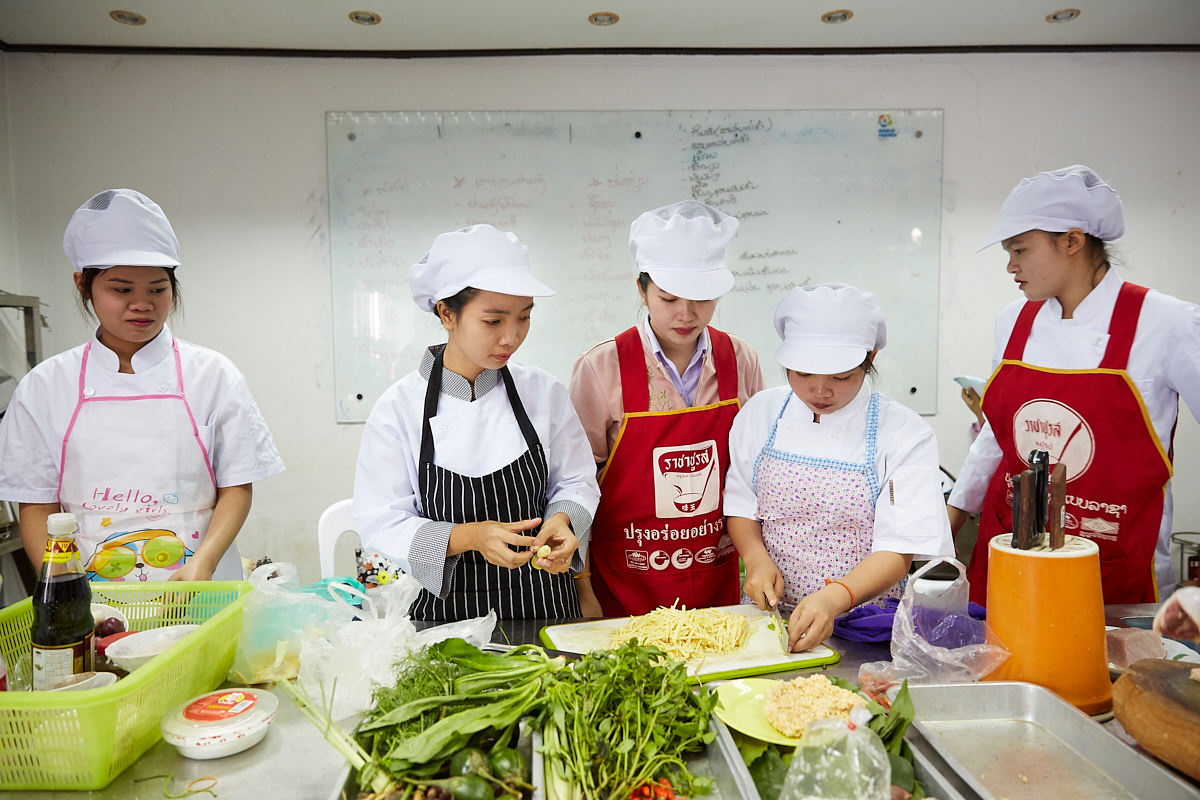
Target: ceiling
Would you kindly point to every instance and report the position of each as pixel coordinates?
(425, 26)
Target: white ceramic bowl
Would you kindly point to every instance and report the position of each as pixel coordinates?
(137, 650)
(87, 680)
(102, 612)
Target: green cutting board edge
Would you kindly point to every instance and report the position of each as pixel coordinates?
(758, 618)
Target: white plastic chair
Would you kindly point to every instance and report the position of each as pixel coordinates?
(334, 521)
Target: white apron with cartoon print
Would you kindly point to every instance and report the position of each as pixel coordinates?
(137, 476)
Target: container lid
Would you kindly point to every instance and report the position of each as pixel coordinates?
(221, 716)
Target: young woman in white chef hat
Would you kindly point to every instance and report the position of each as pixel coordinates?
(473, 454)
(657, 403)
(833, 489)
(1089, 368)
(152, 442)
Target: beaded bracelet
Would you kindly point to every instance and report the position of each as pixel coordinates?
(844, 586)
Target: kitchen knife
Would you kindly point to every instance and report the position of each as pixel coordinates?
(780, 628)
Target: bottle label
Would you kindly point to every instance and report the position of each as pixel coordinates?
(60, 551)
(54, 664)
(219, 705)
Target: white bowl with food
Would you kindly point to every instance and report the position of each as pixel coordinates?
(136, 651)
(101, 614)
(84, 680)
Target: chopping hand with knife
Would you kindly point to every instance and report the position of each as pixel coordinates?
(1089, 368)
(833, 489)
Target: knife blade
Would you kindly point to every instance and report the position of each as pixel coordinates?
(781, 630)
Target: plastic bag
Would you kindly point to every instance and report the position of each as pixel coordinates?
(275, 619)
(935, 639)
(359, 655)
(836, 760)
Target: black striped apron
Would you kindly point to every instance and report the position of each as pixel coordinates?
(512, 493)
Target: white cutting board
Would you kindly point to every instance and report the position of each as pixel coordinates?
(760, 655)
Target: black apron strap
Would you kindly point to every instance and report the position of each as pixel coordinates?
(514, 399)
(432, 392)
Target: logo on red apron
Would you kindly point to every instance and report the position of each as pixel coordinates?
(1059, 430)
(687, 480)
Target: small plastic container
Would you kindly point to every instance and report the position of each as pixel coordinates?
(134, 652)
(220, 723)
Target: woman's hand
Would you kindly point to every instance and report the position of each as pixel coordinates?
(194, 570)
(562, 541)
(764, 581)
(958, 517)
(491, 539)
(973, 401)
(812, 621)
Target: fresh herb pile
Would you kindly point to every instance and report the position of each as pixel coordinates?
(768, 763)
(614, 724)
(621, 720)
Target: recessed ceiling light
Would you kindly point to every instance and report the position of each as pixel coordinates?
(836, 17)
(603, 18)
(365, 17)
(1065, 15)
(127, 17)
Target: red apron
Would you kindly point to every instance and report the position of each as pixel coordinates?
(1095, 422)
(659, 534)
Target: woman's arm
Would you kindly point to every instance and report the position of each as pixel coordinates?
(32, 517)
(812, 621)
(228, 516)
(764, 582)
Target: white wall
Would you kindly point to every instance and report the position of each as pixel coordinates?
(12, 326)
(234, 150)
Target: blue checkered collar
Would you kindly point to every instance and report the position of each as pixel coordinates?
(797, 409)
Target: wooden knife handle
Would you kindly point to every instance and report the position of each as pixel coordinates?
(1025, 522)
(1058, 502)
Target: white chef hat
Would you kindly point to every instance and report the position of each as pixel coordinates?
(479, 257)
(1072, 197)
(120, 227)
(682, 247)
(828, 329)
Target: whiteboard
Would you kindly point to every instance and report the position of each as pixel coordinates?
(849, 196)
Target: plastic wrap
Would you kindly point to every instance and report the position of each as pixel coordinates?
(935, 639)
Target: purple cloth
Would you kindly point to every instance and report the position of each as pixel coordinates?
(873, 623)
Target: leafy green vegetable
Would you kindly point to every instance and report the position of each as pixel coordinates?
(891, 727)
(623, 718)
(769, 772)
(902, 772)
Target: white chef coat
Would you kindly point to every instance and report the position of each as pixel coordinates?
(1164, 363)
(230, 425)
(910, 512)
(472, 438)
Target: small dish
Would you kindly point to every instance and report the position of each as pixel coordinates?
(743, 708)
(136, 651)
(84, 680)
(101, 612)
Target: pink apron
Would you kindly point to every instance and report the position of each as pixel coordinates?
(137, 476)
(818, 515)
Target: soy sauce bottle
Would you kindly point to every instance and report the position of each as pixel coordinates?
(62, 609)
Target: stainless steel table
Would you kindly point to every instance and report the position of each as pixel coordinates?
(296, 763)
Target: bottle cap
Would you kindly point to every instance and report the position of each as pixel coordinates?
(60, 524)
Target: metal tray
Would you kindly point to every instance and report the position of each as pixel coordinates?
(721, 761)
(1008, 740)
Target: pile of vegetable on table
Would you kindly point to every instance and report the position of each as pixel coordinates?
(618, 724)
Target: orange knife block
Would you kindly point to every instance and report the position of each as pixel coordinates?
(1047, 607)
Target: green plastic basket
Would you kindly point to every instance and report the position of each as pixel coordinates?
(85, 739)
